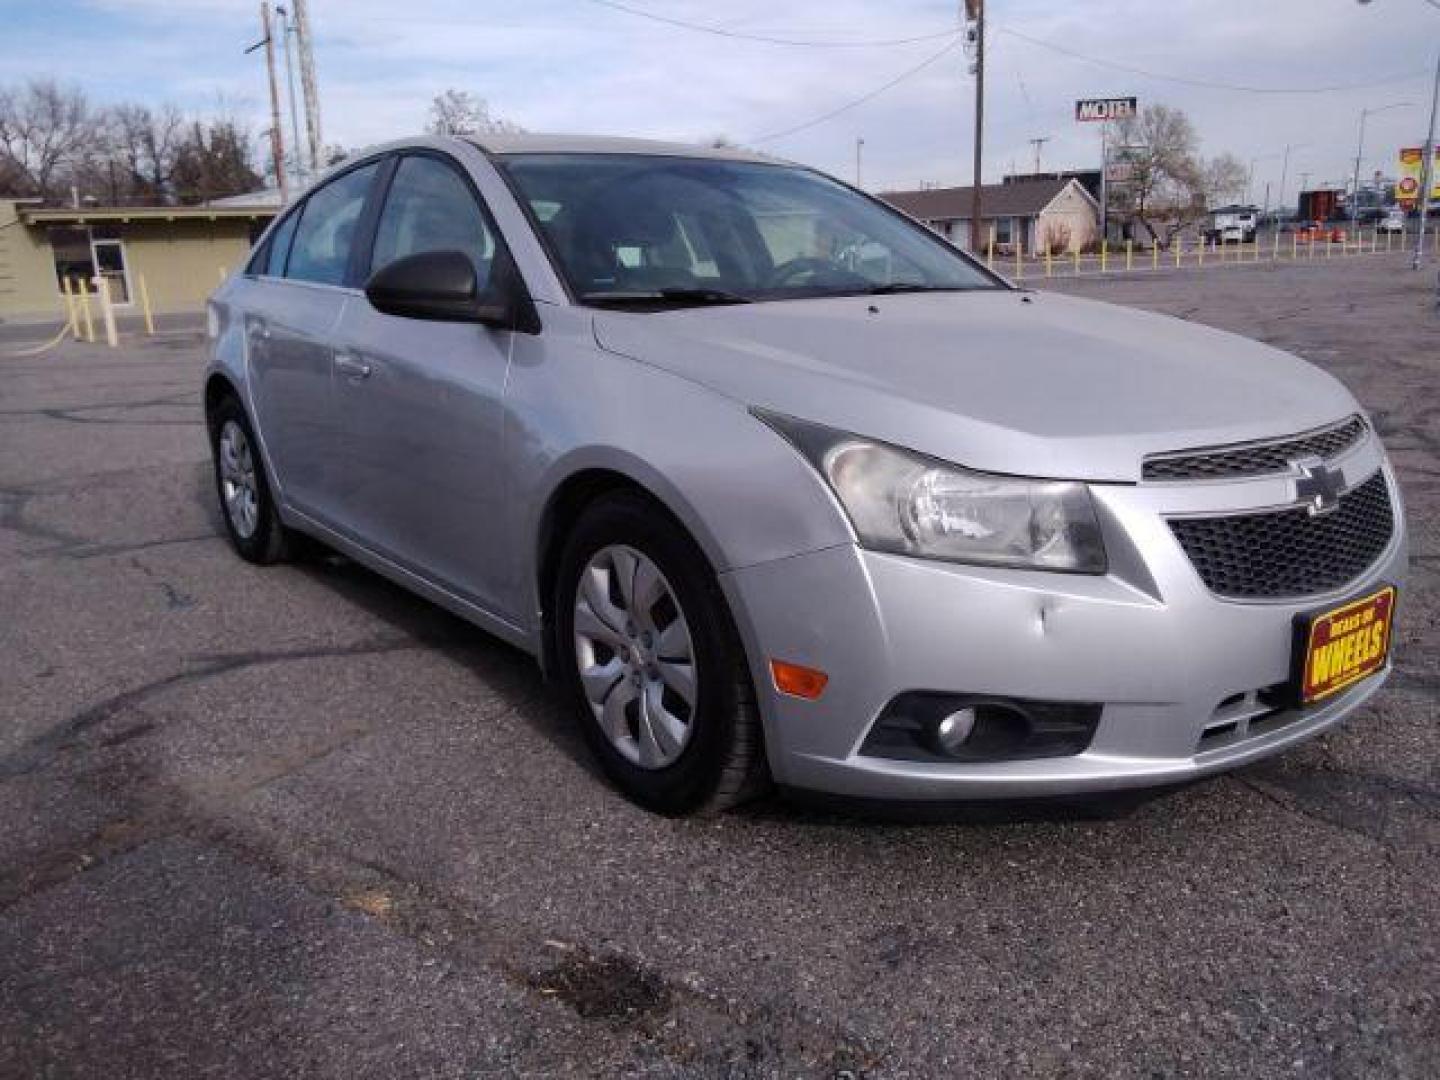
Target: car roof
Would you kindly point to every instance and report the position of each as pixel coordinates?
(527, 143)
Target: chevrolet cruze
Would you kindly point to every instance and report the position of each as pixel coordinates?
(784, 488)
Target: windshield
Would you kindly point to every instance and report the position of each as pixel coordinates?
(636, 229)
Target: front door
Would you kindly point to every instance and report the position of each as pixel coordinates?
(421, 402)
(109, 260)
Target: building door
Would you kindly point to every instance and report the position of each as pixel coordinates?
(109, 257)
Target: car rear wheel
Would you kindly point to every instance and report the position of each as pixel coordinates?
(251, 518)
(653, 662)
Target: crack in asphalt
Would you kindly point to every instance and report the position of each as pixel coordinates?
(43, 749)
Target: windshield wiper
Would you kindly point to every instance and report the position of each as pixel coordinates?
(666, 296)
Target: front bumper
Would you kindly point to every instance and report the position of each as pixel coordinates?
(1147, 641)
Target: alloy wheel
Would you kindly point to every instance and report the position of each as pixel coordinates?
(239, 488)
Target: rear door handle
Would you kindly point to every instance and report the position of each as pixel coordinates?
(353, 369)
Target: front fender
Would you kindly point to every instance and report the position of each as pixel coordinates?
(742, 491)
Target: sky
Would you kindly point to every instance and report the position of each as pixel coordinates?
(585, 66)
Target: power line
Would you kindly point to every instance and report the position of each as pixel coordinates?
(740, 35)
(1208, 84)
(955, 40)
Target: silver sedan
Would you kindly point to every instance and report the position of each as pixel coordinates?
(783, 488)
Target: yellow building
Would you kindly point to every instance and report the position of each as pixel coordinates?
(180, 252)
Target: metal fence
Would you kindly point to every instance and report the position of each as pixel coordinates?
(1294, 246)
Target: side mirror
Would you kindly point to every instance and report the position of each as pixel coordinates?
(437, 285)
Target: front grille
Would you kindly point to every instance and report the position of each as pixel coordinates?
(1284, 553)
(1254, 459)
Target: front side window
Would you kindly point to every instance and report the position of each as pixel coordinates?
(328, 222)
(278, 248)
(430, 207)
(632, 225)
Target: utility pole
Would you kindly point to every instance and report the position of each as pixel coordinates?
(285, 31)
(306, 48)
(975, 36)
(1284, 175)
(1038, 143)
(277, 140)
(859, 146)
(1427, 171)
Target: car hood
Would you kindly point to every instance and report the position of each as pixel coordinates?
(1034, 384)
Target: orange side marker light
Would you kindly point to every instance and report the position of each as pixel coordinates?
(797, 680)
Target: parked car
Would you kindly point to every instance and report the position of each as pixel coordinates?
(780, 486)
(1393, 221)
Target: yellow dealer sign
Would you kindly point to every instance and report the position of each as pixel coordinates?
(1407, 190)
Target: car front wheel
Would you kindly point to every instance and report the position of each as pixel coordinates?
(653, 662)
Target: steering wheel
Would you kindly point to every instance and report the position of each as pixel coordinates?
(816, 268)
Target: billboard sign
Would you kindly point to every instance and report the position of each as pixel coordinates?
(1407, 188)
(1089, 110)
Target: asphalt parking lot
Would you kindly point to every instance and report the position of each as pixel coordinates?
(295, 822)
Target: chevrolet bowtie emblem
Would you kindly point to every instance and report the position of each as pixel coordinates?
(1318, 486)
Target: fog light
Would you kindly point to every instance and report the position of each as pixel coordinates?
(938, 727)
(951, 731)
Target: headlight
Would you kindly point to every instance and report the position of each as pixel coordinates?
(913, 505)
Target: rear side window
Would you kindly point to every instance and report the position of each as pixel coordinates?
(430, 207)
(278, 249)
(328, 223)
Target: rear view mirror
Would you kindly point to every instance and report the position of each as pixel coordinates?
(438, 285)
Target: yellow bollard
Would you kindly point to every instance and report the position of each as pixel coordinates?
(85, 310)
(145, 306)
(1310, 254)
(1049, 261)
(1200, 253)
(990, 250)
(72, 323)
(1275, 248)
(1019, 265)
(1104, 255)
(1154, 254)
(1076, 253)
(1329, 247)
(1129, 255)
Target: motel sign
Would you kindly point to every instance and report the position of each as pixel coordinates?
(1091, 109)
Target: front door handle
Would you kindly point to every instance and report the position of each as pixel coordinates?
(352, 369)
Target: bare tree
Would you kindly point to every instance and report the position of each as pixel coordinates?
(46, 132)
(214, 160)
(1166, 184)
(459, 112)
(145, 143)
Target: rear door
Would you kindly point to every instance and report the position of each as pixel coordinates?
(291, 328)
(421, 402)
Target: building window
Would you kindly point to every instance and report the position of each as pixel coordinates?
(1004, 230)
(73, 258)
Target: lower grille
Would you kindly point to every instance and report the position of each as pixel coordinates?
(1284, 553)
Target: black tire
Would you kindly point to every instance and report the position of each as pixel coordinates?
(270, 541)
(722, 764)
